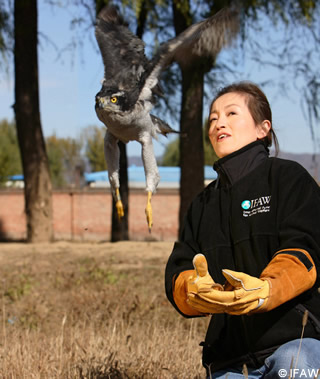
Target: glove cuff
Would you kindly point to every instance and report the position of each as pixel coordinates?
(290, 273)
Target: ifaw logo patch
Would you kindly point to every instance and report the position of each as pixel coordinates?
(256, 206)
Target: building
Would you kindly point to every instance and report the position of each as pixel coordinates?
(84, 214)
(169, 177)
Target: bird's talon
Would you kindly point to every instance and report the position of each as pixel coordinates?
(149, 218)
(149, 212)
(119, 208)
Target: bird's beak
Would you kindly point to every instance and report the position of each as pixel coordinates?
(99, 102)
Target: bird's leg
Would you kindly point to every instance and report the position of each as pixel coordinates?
(112, 155)
(119, 205)
(148, 211)
(151, 172)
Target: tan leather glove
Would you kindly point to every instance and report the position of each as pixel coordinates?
(193, 281)
(247, 293)
(202, 283)
(289, 273)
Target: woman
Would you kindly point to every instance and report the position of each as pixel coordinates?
(257, 231)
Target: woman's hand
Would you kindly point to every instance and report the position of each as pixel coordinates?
(290, 273)
(189, 283)
(245, 294)
(202, 282)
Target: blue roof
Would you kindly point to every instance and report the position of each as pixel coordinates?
(16, 177)
(136, 174)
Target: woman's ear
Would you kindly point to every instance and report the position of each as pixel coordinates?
(263, 129)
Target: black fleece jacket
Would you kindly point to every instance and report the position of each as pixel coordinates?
(257, 207)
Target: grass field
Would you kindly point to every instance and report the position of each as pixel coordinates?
(90, 310)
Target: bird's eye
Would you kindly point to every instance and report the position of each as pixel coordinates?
(114, 99)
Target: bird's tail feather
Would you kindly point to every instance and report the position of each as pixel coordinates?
(162, 127)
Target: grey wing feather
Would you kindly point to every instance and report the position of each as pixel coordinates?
(203, 39)
(122, 52)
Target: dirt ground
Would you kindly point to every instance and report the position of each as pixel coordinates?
(128, 252)
(120, 254)
(92, 310)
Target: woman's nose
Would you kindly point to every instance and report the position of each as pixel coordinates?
(215, 127)
(218, 124)
(221, 121)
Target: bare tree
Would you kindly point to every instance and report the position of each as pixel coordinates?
(191, 120)
(38, 189)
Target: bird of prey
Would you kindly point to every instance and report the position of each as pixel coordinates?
(130, 85)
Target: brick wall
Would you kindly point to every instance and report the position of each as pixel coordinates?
(86, 214)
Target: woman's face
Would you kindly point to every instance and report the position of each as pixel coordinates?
(232, 126)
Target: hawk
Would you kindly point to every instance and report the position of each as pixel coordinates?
(130, 86)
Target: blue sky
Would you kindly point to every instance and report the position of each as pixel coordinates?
(68, 86)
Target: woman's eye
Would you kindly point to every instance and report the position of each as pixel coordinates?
(232, 113)
(114, 99)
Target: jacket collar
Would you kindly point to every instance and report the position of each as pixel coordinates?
(236, 165)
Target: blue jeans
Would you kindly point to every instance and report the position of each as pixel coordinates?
(283, 363)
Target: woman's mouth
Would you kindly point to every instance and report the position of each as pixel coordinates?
(223, 136)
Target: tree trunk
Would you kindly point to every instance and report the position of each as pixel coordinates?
(119, 228)
(38, 189)
(191, 140)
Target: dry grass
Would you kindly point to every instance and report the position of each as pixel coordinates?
(92, 311)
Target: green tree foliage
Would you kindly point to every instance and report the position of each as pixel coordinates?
(10, 160)
(55, 156)
(171, 156)
(65, 161)
(209, 154)
(93, 139)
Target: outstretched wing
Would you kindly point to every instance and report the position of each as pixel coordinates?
(203, 39)
(122, 52)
